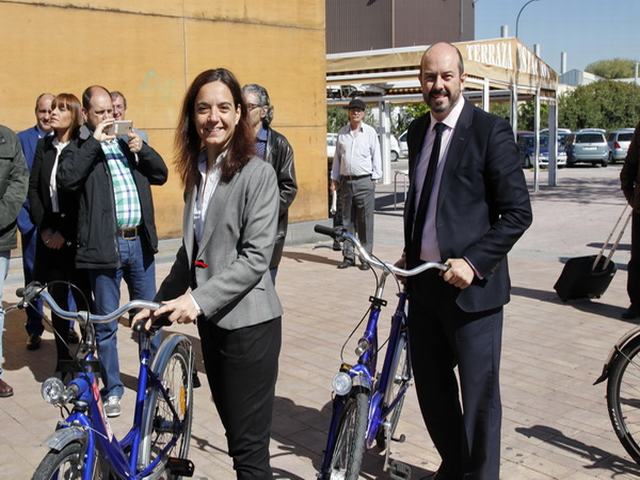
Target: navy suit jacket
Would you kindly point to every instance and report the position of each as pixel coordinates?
(483, 204)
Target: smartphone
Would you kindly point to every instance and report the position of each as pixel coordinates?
(119, 128)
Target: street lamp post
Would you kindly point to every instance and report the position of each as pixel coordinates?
(518, 17)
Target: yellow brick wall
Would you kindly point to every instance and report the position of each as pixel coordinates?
(152, 50)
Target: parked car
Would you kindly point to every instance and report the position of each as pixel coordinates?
(526, 145)
(619, 141)
(332, 139)
(402, 142)
(587, 146)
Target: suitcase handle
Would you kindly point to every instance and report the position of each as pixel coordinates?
(615, 244)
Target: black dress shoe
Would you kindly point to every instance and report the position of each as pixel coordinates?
(33, 342)
(346, 263)
(630, 313)
(364, 266)
(5, 389)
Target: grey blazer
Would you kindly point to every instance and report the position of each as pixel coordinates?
(232, 282)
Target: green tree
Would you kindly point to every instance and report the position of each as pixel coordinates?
(605, 104)
(336, 119)
(526, 115)
(614, 68)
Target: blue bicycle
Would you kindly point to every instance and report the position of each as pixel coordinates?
(366, 404)
(83, 445)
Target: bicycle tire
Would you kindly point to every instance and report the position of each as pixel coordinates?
(400, 374)
(159, 428)
(65, 463)
(623, 398)
(347, 454)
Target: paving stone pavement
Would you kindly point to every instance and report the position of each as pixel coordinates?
(555, 422)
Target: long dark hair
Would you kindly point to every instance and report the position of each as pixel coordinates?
(188, 144)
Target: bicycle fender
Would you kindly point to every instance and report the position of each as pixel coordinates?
(615, 351)
(60, 438)
(166, 347)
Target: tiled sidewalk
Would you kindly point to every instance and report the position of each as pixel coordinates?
(555, 421)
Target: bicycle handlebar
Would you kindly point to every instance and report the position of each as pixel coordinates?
(35, 289)
(340, 233)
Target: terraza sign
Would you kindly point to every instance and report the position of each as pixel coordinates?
(500, 54)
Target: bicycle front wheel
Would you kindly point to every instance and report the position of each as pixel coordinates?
(162, 426)
(623, 397)
(346, 457)
(67, 463)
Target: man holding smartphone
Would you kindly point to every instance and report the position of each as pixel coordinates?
(117, 236)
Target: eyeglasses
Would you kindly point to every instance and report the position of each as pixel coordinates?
(252, 106)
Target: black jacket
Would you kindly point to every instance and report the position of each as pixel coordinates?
(483, 203)
(14, 178)
(280, 155)
(42, 215)
(86, 171)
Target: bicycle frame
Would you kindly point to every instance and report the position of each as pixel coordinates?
(364, 372)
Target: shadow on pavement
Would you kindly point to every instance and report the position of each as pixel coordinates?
(596, 457)
(308, 257)
(584, 305)
(580, 190)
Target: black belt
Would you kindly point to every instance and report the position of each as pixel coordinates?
(355, 177)
(129, 233)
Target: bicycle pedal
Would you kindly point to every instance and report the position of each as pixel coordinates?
(399, 471)
(399, 439)
(182, 467)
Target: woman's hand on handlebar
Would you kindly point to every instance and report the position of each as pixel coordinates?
(402, 263)
(180, 310)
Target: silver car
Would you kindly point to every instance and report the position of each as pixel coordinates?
(619, 141)
(587, 146)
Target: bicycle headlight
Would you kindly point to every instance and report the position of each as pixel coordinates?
(52, 391)
(341, 383)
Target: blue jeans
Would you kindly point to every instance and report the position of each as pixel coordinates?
(137, 268)
(34, 323)
(4, 268)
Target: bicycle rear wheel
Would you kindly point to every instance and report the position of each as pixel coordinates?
(346, 457)
(399, 376)
(623, 397)
(161, 426)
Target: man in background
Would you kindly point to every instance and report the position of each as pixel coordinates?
(28, 231)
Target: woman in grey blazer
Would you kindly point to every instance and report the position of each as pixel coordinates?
(220, 276)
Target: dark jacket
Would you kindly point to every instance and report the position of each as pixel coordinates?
(483, 203)
(87, 172)
(630, 173)
(14, 180)
(280, 155)
(42, 215)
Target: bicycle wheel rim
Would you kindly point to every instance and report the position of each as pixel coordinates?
(623, 398)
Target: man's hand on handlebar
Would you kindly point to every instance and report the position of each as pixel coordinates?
(402, 263)
(460, 273)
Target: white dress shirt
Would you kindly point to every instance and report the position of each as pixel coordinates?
(430, 249)
(209, 180)
(53, 185)
(357, 153)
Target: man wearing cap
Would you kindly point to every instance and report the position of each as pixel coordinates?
(356, 166)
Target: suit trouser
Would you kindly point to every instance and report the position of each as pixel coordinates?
(34, 325)
(441, 337)
(358, 203)
(242, 367)
(633, 268)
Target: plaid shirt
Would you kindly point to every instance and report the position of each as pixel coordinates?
(125, 192)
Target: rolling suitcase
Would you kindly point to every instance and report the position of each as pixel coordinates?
(590, 276)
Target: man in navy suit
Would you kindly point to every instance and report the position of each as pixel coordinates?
(467, 205)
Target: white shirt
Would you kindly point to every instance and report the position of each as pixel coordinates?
(209, 180)
(357, 153)
(430, 249)
(53, 185)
